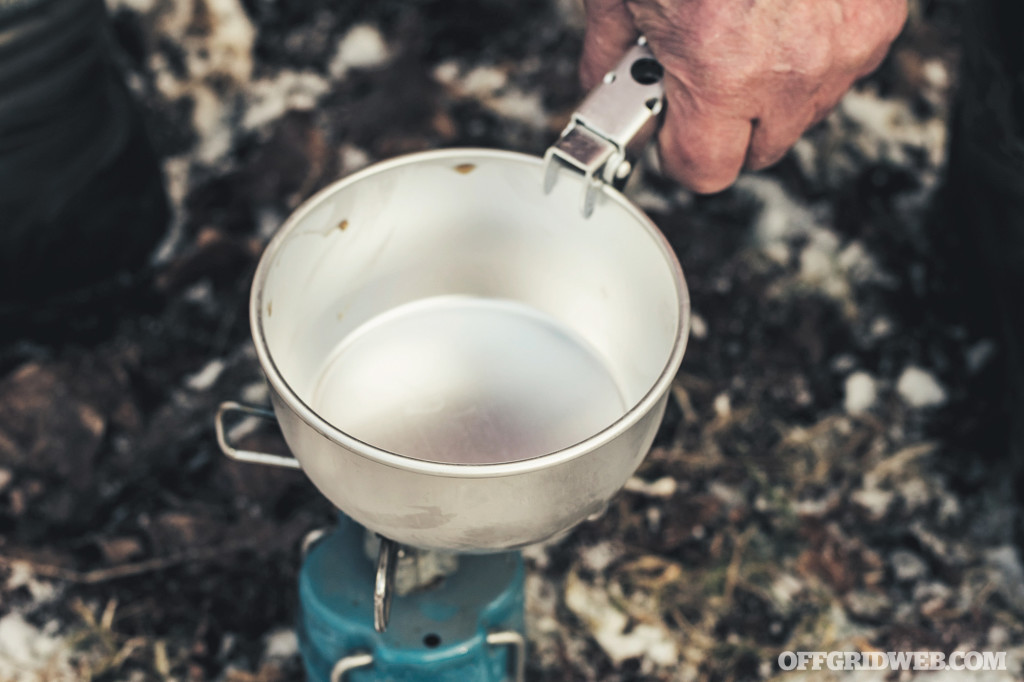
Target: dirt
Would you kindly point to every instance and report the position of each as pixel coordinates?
(785, 505)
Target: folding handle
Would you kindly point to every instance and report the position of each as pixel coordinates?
(611, 126)
(249, 456)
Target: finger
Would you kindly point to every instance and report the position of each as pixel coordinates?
(773, 135)
(702, 146)
(609, 34)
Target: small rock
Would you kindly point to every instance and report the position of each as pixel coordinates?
(119, 549)
(778, 252)
(979, 354)
(919, 388)
(5, 478)
(46, 426)
(861, 393)
(916, 494)
(730, 496)
(998, 636)
(874, 501)
(907, 566)
(881, 327)
(868, 605)
(1007, 574)
(932, 591)
(784, 590)
(537, 556)
(843, 363)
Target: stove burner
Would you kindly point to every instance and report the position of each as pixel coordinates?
(466, 628)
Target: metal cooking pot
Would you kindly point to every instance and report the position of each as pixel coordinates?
(459, 357)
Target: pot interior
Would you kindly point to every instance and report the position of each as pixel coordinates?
(442, 307)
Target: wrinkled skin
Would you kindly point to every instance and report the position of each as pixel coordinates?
(744, 78)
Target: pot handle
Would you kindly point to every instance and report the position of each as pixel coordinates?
(249, 456)
(611, 126)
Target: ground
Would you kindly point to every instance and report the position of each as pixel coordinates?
(829, 476)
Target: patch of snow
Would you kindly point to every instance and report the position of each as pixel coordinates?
(256, 393)
(698, 327)
(860, 266)
(820, 268)
(785, 588)
(936, 74)
(888, 127)
(778, 252)
(22, 575)
(281, 644)
(920, 388)
(874, 501)
(916, 493)
(598, 557)
(664, 487)
(490, 86)
(447, 72)
(482, 82)
(207, 376)
(538, 555)
(28, 654)
(607, 624)
(228, 48)
(140, 6)
(353, 158)
(722, 405)
(782, 223)
(860, 393)
(288, 90)
(781, 217)
(211, 119)
(517, 105)
(361, 48)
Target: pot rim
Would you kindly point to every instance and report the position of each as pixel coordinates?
(449, 469)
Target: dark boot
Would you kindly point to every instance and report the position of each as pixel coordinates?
(81, 193)
(985, 188)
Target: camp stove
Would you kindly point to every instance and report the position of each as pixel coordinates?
(468, 351)
(454, 618)
(371, 609)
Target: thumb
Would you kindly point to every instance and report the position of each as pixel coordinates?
(609, 34)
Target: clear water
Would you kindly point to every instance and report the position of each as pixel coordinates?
(466, 380)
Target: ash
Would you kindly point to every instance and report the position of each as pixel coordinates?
(819, 483)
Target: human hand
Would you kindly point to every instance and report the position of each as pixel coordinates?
(743, 78)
